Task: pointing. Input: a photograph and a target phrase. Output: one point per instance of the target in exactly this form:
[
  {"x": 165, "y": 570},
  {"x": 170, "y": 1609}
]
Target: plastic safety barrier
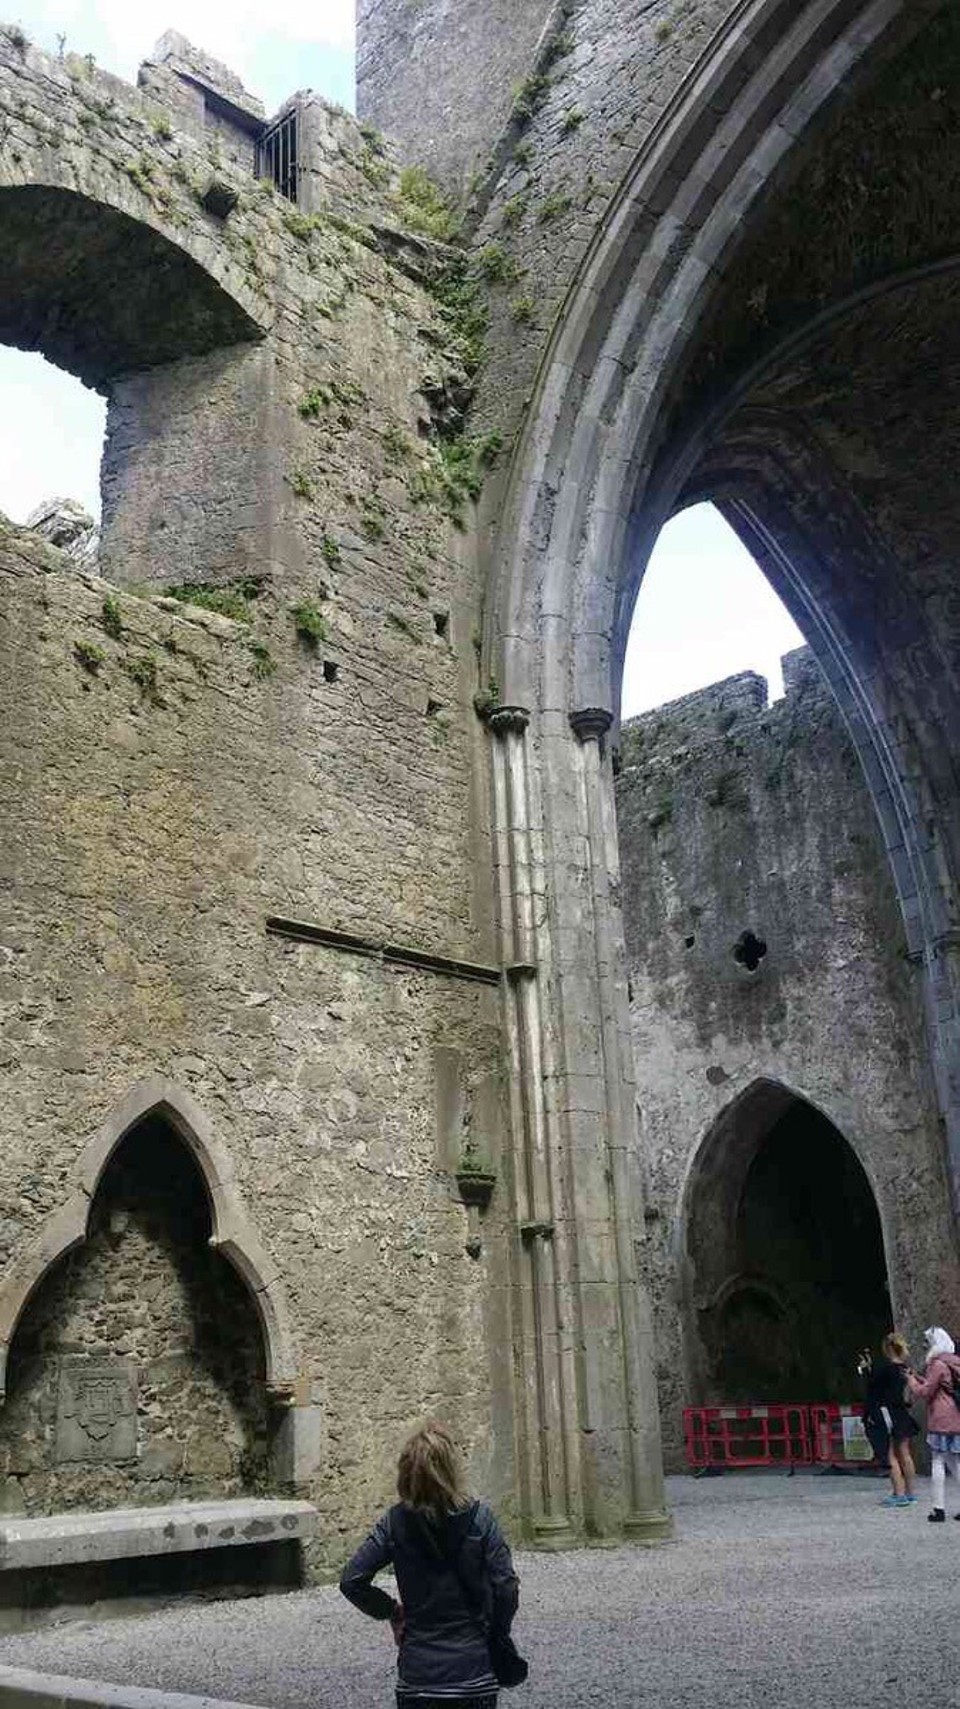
[
  {"x": 821, "y": 1433},
  {"x": 839, "y": 1438},
  {"x": 739, "y": 1436}
]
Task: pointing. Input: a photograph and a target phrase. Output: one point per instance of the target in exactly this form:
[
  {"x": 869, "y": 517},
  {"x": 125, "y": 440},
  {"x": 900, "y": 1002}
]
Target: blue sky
[{"x": 704, "y": 610}]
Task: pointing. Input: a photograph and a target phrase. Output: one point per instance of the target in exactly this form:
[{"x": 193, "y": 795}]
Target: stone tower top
[
  {"x": 200, "y": 70},
  {"x": 440, "y": 77}
]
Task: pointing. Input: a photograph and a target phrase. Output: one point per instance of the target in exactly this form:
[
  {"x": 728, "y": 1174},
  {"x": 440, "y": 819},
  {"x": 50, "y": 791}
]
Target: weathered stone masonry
[
  {"x": 174, "y": 778},
  {"x": 735, "y": 817},
  {"x": 286, "y": 385},
  {"x": 722, "y": 242}
]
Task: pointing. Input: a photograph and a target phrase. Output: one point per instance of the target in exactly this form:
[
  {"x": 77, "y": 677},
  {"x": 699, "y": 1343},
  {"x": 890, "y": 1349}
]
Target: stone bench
[
  {"x": 20, "y": 1688},
  {"x": 72, "y": 1561}
]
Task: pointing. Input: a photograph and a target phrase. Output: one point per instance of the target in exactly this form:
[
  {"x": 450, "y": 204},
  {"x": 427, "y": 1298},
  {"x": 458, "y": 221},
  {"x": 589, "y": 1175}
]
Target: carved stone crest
[{"x": 97, "y": 1410}]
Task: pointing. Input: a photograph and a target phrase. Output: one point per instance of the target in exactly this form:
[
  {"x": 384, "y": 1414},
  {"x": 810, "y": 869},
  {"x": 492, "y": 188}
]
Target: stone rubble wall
[
  {"x": 546, "y": 140},
  {"x": 173, "y": 776},
  {"x": 734, "y": 816},
  {"x": 163, "y": 799}
]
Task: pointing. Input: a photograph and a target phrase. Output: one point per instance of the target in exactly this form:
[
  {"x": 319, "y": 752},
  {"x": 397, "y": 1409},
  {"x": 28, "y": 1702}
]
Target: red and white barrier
[
  {"x": 741, "y": 1436},
  {"x": 822, "y": 1434}
]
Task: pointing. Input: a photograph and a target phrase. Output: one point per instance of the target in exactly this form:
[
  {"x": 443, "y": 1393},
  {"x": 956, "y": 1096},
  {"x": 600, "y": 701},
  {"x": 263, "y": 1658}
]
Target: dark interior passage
[
  {"x": 137, "y": 1371},
  {"x": 796, "y": 1283}
]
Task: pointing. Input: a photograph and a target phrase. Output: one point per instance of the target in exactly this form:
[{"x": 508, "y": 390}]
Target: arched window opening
[
  {"x": 704, "y": 612},
  {"x": 786, "y": 1257},
  {"x": 136, "y": 1373},
  {"x": 51, "y": 446}
]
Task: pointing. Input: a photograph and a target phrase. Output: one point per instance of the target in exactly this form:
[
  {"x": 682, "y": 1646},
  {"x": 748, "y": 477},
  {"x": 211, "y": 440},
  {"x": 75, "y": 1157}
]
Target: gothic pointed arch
[
  {"x": 583, "y": 508},
  {"x": 782, "y": 1260},
  {"x": 232, "y": 1233},
  {"x": 663, "y": 314}
]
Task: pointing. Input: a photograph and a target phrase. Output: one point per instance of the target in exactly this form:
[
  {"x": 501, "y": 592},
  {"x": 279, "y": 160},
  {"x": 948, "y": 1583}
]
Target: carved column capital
[
  {"x": 508, "y": 720},
  {"x": 591, "y": 723}
]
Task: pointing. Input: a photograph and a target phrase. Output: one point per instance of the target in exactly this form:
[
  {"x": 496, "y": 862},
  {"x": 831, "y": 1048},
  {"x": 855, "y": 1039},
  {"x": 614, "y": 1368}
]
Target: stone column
[
  {"x": 590, "y": 1435},
  {"x": 547, "y": 1399},
  {"x": 941, "y": 961},
  {"x": 621, "y": 1396}
]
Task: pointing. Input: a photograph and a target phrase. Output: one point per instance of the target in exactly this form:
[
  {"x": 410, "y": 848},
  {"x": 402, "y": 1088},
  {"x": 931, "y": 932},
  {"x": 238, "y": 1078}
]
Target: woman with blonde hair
[
  {"x": 889, "y": 1422},
  {"x": 458, "y": 1589}
]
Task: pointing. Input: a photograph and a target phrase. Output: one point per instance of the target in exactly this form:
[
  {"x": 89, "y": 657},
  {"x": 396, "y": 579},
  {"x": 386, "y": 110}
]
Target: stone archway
[
  {"x": 783, "y": 1273},
  {"x": 116, "y": 269},
  {"x": 136, "y": 1371},
  {"x": 103, "y": 293},
  {"x": 145, "y": 1343},
  {"x": 622, "y": 391}
]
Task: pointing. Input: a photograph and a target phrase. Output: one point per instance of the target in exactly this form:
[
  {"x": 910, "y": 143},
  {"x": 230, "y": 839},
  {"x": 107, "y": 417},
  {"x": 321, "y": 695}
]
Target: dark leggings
[{"x": 487, "y": 1702}]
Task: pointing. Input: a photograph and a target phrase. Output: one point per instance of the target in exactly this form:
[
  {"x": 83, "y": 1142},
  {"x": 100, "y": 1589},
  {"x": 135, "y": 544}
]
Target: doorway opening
[{"x": 785, "y": 1268}]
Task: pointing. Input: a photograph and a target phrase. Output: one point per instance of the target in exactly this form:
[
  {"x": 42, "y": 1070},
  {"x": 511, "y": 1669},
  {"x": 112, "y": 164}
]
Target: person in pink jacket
[{"x": 943, "y": 1414}]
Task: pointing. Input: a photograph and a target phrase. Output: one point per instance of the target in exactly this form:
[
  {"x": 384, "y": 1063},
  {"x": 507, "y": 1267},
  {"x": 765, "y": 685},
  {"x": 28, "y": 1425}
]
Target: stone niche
[{"x": 137, "y": 1372}]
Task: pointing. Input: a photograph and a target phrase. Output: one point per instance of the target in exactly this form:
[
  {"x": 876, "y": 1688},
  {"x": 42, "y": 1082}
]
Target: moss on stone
[
  {"x": 228, "y": 599},
  {"x": 309, "y": 622},
  {"x": 423, "y": 207}
]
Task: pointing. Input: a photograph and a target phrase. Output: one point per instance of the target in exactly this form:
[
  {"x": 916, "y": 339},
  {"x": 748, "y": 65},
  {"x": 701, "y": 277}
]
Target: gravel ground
[{"x": 778, "y": 1593}]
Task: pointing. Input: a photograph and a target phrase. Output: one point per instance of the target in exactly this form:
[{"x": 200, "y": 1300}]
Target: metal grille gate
[{"x": 278, "y": 154}]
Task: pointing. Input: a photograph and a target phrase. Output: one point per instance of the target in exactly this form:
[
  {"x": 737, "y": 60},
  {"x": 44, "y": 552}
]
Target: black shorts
[
  {"x": 903, "y": 1425},
  {"x": 878, "y": 1437}
]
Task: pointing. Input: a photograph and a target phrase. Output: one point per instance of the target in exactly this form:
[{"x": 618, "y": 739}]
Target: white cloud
[
  {"x": 224, "y": 28},
  {"x": 51, "y": 438},
  {"x": 235, "y": 31}
]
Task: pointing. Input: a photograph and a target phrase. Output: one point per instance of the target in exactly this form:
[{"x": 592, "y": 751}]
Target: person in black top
[
  {"x": 888, "y": 1421},
  {"x": 458, "y": 1589}
]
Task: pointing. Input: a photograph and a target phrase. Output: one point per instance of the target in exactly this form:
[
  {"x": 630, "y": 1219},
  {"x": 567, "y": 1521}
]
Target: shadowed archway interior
[
  {"x": 103, "y": 294},
  {"x": 785, "y": 1256},
  {"x": 139, "y": 1359}
]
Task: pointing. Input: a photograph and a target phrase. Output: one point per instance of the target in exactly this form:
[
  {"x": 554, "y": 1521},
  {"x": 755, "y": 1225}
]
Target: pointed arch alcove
[
  {"x": 783, "y": 1272},
  {"x": 144, "y": 1336}
]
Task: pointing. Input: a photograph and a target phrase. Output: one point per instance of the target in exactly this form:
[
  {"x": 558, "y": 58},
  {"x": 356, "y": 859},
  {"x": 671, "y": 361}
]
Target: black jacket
[
  {"x": 886, "y": 1386},
  {"x": 444, "y": 1646}
]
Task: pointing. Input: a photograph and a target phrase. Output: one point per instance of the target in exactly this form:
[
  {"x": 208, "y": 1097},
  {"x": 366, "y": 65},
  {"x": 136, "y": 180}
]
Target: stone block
[
  {"x": 162, "y": 1458},
  {"x": 298, "y": 1449},
  {"x": 131, "y": 1533},
  {"x": 96, "y": 1410},
  {"x": 21, "y": 1688}
]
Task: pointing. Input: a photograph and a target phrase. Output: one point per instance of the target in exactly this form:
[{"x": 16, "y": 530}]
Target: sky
[
  {"x": 704, "y": 610},
  {"x": 275, "y": 49}
]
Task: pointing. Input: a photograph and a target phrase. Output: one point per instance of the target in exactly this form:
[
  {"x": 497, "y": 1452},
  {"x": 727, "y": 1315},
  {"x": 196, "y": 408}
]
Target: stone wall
[
  {"x": 547, "y": 139},
  {"x": 440, "y": 77},
  {"x": 165, "y": 797},
  {"x": 173, "y": 776},
  {"x": 734, "y": 817},
  {"x": 286, "y": 445}
]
